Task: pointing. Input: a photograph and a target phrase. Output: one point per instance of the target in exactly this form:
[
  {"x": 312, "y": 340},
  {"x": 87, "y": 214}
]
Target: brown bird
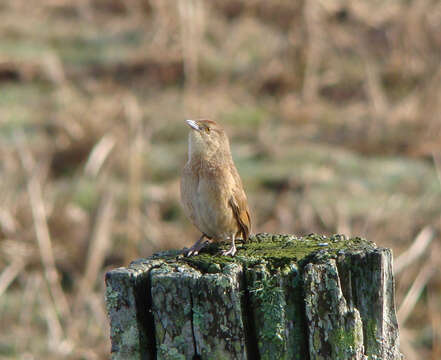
[{"x": 211, "y": 188}]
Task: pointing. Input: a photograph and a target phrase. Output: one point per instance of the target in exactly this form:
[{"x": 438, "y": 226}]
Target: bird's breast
[
  {"x": 206, "y": 191},
  {"x": 214, "y": 214}
]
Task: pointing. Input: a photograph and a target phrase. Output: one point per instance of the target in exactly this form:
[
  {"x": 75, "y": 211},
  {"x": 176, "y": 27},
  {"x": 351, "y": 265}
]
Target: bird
[{"x": 212, "y": 193}]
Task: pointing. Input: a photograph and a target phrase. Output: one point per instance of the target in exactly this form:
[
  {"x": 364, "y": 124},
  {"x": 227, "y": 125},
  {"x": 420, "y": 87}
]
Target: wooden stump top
[{"x": 280, "y": 297}]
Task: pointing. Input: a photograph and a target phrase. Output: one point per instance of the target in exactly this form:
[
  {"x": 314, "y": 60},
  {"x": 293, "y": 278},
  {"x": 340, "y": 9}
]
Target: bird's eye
[{"x": 207, "y": 129}]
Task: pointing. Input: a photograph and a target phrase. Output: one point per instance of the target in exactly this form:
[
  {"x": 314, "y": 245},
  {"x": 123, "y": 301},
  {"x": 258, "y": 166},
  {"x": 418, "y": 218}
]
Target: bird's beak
[{"x": 193, "y": 124}]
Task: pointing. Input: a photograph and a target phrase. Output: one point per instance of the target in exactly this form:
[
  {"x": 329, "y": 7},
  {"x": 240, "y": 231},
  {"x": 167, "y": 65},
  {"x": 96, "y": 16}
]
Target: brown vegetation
[{"x": 333, "y": 110}]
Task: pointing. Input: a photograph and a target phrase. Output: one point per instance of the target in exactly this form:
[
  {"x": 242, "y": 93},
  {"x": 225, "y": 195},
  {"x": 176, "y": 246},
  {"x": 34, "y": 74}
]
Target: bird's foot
[
  {"x": 232, "y": 251},
  {"x": 194, "y": 250}
]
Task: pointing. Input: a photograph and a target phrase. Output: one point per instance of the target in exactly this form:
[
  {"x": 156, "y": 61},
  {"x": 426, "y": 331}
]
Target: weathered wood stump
[{"x": 280, "y": 297}]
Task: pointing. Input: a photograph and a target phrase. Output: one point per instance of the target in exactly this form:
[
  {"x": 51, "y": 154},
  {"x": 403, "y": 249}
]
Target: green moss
[
  {"x": 342, "y": 342},
  {"x": 268, "y": 298},
  {"x": 276, "y": 250},
  {"x": 371, "y": 335},
  {"x": 169, "y": 353}
]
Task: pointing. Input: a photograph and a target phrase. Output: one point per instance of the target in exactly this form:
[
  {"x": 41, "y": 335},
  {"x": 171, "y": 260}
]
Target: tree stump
[{"x": 280, "y": 297}]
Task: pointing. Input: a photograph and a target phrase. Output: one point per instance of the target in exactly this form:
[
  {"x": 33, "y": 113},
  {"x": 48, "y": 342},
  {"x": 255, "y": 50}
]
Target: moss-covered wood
[{"x": 280, "y": 297}]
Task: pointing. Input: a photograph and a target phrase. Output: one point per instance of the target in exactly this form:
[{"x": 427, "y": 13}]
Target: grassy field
[{"x": 332, "y": 108}]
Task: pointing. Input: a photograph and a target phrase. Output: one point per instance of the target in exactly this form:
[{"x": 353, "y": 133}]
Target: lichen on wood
[
  {"x": 281, "y": 296},
  {"x": 128, "y": 300},
  {"x": 334, "y": 327}
]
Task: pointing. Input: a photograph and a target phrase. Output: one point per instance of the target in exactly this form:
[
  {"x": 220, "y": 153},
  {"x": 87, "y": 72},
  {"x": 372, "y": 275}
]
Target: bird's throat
[{"x": 198, "y": 149}]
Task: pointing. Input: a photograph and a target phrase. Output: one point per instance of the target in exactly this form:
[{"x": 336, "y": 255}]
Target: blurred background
[{"x": 332, "y": 108}]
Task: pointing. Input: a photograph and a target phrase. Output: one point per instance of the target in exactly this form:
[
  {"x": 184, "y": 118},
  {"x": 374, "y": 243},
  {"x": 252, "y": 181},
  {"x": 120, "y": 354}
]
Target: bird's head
[{"x": 206, "y": 138}]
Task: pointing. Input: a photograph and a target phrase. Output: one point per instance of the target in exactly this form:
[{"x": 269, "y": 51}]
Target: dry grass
[{"x": 333, "y": 111}]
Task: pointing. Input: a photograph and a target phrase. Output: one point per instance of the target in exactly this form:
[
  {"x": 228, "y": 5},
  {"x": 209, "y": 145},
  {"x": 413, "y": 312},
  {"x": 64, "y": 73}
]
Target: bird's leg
[
  {"x": 197, "y": 246},
  {"x": 232, "y": 251}
]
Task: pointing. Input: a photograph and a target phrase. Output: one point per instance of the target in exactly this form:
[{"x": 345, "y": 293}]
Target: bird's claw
[
  {"x": 191, "y": 252},
  {"x": 194, "y": 250},
  {"x": 232, "y": 251}
]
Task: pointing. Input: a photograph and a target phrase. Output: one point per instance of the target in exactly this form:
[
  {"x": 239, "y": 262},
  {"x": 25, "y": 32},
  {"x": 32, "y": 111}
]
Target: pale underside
[{"x": 206, "y": 198}]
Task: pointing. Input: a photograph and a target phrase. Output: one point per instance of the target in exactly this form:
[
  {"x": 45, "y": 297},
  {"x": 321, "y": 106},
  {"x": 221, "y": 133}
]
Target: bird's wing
[
  {"x": 239, "y": 204},
  {"x": 242, "y": 215}
]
